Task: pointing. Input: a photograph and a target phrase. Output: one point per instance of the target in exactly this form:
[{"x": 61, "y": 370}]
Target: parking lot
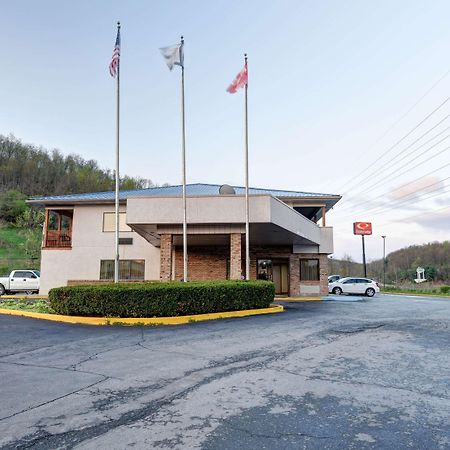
[{"x": 321, "y": 375}]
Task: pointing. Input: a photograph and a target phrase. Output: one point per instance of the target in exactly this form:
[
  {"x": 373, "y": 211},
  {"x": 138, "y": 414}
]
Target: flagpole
[
  {"x": 247, "y": 224},
  {"x": 185, "y": 258},
  {"x": 116, "y": 265}
]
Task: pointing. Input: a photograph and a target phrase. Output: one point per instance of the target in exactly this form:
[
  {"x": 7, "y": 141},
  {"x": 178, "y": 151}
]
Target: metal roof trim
[{"x": 193, "y": 190}]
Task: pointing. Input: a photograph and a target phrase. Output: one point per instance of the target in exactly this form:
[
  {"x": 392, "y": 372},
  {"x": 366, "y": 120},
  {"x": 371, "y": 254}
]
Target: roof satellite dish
[{"x": 226, "y": 189}]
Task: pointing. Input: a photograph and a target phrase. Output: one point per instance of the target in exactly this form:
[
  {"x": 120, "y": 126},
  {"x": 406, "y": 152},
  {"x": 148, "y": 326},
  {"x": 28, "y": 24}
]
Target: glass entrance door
[
  {"x": 275, "y": 271},
  {"x": 280, "y": 278}
]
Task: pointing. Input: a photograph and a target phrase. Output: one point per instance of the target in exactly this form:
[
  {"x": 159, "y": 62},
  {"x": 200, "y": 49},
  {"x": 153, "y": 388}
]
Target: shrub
[
  {"x": 445, "y": 289},
  {"x": 161, "y": 299}
]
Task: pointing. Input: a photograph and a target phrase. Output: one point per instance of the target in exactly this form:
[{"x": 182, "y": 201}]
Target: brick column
[
  {"x": 294, "y": 276},
  {"x": 323, "y": 274},
  {"x": 235, "y": 256},
  {"x": 166, "y": 257}
]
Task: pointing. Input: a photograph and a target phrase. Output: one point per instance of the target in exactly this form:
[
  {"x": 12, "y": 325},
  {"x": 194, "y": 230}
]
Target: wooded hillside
[
  {"x": 401, "y": 265},
  {"x": 34, "y": 170}
]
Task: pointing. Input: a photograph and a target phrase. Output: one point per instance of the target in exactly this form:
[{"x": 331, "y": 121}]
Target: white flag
[{"x": 173, "y": 55}]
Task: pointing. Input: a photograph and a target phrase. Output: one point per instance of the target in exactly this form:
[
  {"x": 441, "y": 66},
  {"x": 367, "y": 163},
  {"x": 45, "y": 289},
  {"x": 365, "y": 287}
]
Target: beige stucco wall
[
  {"x": 89, "y": 245},
  {"x": 200, "y": 210}
]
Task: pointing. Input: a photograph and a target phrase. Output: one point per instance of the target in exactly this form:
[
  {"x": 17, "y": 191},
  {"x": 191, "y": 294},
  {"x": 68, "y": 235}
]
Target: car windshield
[{"x": 37, "y": 272}]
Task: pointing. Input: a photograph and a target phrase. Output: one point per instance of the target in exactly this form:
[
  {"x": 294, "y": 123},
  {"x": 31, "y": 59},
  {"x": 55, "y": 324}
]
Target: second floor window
[
  {"x": 109, "y": 222},
  {"x": 58, "y": 231}
]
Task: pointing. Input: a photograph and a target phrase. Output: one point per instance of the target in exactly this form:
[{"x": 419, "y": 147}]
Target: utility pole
[
  {"x": 364, "y": 256},
  {"x": 384, "y": 262}
]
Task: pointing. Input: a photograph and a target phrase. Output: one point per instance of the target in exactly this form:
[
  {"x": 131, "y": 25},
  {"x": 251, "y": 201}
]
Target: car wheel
[
  {"x": 337, "y": 291},
  {"x": 2, "y": 289},
  {"x": 29, "y": 292},
  {"x": 370, "y": 292}
]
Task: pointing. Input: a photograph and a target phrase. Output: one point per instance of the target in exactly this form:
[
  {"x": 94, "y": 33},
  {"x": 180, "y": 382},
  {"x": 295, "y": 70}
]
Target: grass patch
[
  {"x": 13, "y": 254},
  {"x": 12, "y": 243},
  {"x": 437, "y": 291},
  {"x": 26, "y": 304}
]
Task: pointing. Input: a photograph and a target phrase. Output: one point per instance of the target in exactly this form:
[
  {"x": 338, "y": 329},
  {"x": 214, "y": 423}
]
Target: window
[
  {"x": 23, "y": 274},
  {"x": 125, "y": 241},
  {"x": 109, "y": 222},
  {"x": 129, "y": 269},
  {"x": 309, "y": 270},
  {"x": 265, "y": 269},
  {"x": 58, "y": 232},
  {"x": 18, "y": 274}
]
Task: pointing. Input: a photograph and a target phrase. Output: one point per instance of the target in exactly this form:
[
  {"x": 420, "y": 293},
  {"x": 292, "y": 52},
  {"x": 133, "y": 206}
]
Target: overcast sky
[{"x": 337, "y": 91}]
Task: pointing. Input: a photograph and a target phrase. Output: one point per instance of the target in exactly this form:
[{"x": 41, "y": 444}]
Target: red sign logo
[{"x": 362, "y": 228}]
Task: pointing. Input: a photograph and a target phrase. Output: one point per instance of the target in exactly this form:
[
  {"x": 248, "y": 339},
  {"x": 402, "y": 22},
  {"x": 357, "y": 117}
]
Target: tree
[
  {"x": 35, "y": 171},
  {"x": 430, "y": 273},
  {"x": 12, "y": 206}
]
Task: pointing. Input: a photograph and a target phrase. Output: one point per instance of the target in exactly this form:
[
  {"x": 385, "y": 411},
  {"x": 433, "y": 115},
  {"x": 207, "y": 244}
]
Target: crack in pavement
[
  {"x": 360, "y": 329},
  {"x": 75, "y": 341},
  {"x": 172, "y": 352},
  {"x": 276, "y": 435},
  {"x": 53, "y": 400},
  {"x": 94, "y": 355},
  {"x": 360, "y": 383},
  {"x": 65, "y": 369}
]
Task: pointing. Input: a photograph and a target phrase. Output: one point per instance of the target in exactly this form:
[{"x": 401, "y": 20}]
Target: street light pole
[{"x": 384, "y": 262}]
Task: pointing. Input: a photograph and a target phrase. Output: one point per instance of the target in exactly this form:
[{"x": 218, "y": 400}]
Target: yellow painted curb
[
  {"x": 416, "y": 295},
  {"x": 143, "y": 320},
  {"x": 33, "y": 296},
  {"x": 299, "y": 299}
]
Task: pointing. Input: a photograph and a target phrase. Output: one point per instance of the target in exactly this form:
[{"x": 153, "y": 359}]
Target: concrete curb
[
  {"x": 299, "y": 299},
  {"x": 144, "y": 320},
  {"x": 416, "y": 294},
  {"x": 32, "y": 296}
]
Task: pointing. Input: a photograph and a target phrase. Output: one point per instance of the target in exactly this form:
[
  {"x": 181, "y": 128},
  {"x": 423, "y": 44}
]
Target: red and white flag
[{"x": 240, "y": 81}]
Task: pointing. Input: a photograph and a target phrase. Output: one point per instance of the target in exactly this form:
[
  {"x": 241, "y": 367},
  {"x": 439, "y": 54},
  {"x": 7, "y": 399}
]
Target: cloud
[
  {"x": 435, "y": 221},
  {"x": 418, "y": 188},
  {"x": 443, "y": 201}
]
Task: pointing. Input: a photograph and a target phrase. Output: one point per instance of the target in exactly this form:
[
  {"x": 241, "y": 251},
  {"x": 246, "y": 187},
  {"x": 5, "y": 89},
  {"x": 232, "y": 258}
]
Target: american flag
[{"x": 114, "y": 65}]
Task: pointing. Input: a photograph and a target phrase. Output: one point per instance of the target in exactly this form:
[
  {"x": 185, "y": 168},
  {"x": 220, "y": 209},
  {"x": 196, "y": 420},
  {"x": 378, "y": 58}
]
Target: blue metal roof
[{"x": 196, "y": 189}]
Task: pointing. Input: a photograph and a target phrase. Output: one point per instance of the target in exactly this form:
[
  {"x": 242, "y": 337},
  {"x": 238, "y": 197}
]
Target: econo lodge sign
[{"x": 364, "y": 228}]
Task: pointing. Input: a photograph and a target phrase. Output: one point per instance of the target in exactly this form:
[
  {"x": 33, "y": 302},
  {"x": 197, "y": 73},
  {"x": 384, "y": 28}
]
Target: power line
[
  {"x": 398, "y": 142},
  {"x": 412, "y": 107},
  {"x": 418, "y": 148},
  {"x": 396, "y": 203},
  {"x": 413, "y": 181},
  {"x": 395, "y": 174},
  {"x": 405, "y": 114},
  {"x": 404, "y": 219},
  {"x": 435, "y": 193}
]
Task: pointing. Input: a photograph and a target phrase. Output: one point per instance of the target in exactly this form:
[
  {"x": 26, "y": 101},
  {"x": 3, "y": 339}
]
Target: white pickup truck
[{"x": 26, "y": 281}]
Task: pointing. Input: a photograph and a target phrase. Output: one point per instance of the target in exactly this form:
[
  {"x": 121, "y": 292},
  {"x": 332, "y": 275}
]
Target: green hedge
[{"x": 161, "y": 299}]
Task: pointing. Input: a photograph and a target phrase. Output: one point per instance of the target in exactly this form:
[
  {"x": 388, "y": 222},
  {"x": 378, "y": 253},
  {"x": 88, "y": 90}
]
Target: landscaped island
[{"x": 157, "y": 299}]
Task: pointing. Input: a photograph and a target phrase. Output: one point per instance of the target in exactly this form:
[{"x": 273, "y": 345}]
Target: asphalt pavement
[{"x": 368, "y": 374}]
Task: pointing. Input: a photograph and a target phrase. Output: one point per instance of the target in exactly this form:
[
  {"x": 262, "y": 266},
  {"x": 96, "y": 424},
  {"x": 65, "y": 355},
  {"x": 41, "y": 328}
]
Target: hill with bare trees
[{"x": 401, "y": 265}]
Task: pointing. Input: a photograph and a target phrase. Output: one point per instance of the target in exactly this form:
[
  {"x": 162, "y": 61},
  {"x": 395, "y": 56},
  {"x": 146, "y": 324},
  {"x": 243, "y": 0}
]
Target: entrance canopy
[{"x": 211, "y": 219}]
